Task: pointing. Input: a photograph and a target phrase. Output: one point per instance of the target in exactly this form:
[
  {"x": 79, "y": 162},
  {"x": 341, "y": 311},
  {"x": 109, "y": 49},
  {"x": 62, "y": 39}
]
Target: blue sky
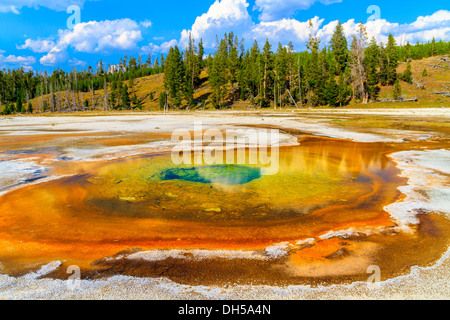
[{"x": 35, "y": 34}]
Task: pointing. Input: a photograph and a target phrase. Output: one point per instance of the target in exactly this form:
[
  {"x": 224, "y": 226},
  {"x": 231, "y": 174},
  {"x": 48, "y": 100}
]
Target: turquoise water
[{"x": 230, "y": 175}]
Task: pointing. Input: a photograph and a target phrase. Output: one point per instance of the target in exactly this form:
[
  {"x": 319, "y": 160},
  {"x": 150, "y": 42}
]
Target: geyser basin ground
[{"x": 320, "y": 220}]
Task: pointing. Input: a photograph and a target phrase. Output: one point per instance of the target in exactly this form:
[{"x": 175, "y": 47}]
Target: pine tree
[
  {"x": 192, "y": 72},
  {"x": 192, "y": 64},
  {"x": 174, "y": 76},
  {"x": 218, "y": 74},
  {"x": 125, "y": 63},
  {"x": 6, "y": 111},
  {"x": 392, "y": 60},
  {"x": 253, "y": 73},
  {"x": 132, "y": 64},
  {"x": 131, "y": 81},
  {"x": 433, "y": 47},
  {"x": 408, "y": 51},
  {"x": 325, "y": 76},
  {"x": 301, "y": 83},
  {"x": 188, "y": 92},
  {"x": 372, "y": 64},
  {"x": 339, "y": 48},
  {"x": 19, "y": 105},
  {"x": 134, "y": 100},
  {"x": 281, "y": 74},
  {"x": 233, "y": 63},
  {"x": 383, "y": 74},
  {"x": 345, "y": 93},
  {"x": 201, "y": 53},
  {"x": 267, "y": 74},
  {"x": 113, "y": 95},
  {"x": 332, "y": 93},
  {"x": 149, "y": 61},
  {"x": 125, "y": 98},
  {"x": 243, "y": 80},
  {"x": 30, "y": 107},
  {"x": 407, "y": 75},
  {"x": 163, "y": 62},
  {"x": 162, "y": 100}
]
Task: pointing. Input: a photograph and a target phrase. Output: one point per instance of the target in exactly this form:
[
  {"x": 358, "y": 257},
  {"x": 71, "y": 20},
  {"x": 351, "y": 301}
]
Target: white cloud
[
  {"x": 423, "y": 36},
  {"x": 146, "y": 23},
  {"x": 16, "y": 61},
  {"x": 89, "y": 37},
  {"x": 15, "y": 6},
  {"x": 38, "y": 46},
  {"x": 285, "y": 30},
  {"x": 103, "y": 36},
  {"x": 162, "y": 48},
  {"x": 75, "y": 62},
  {"x": 55, "y": 56},
  {"x": 438, "y": 19},
  {"x": 226, "y": 16},
  {"x": 222, "y": 17},
  {"x": 424, "y": 29},
  {"x": 275, "y": 9}
]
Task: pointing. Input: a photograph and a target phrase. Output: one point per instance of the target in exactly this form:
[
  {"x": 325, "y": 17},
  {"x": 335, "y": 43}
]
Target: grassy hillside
[{"x": 437, "y": 80}]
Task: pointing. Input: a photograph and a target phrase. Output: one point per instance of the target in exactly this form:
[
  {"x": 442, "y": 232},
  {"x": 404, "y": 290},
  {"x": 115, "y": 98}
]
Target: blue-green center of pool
[{"x": 223, "y": 174}]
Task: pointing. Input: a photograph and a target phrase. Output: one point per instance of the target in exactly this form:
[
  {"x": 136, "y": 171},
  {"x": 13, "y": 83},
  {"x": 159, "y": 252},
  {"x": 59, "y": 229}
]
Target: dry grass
[{"x": 438, "y": 80}]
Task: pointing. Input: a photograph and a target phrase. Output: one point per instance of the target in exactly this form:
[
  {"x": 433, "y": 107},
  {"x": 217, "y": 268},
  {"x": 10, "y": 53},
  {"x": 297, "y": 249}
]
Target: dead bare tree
[
  {"x": 91, "y": 88},
  {"x": 358, "y": 48},
  {"x": 419, "y": 85},
  {"x": 52, "y": 100},
  {"x": 105, "y": 96}
]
